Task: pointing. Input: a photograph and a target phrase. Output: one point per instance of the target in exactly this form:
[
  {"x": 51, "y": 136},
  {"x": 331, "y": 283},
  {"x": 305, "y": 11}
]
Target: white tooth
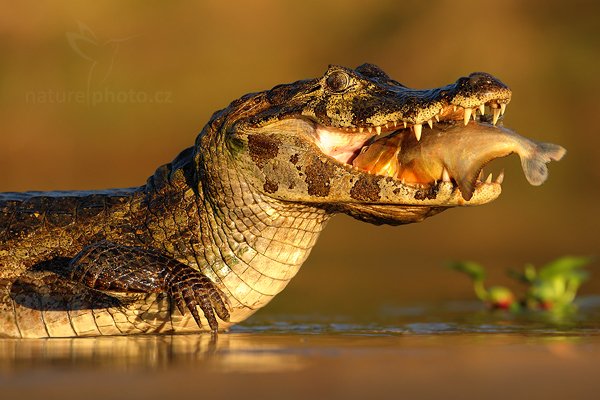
[
  {"x": 481, "y": 109},
  {"x": 404, "y": 124},
  {"x": 378, "y": 130},
  {"x": 455, "y": 108},
  {"x": 418, "y": 128},
  {"x": 474, "y": 114},
  {"x": 361, "y": 129},
  {"x": 387, "y": 125},
  {"x": 480, "y": 176},
  {"x": 403, "y": 182},
  {"x": 370, "y": 129},
  {"x": 445, "y": 175},
  {"x": 430, "y": 123},
  {"x": 500, "y": 177},
  {"x": 395, "y": 123},
  {"x": 489, "y": 178},
  {"x": 437, "y": 118},
  {"x": 467, "y": 115},
  {"x": 502, "y": 108},
  {"x": 496, "y": 115}
]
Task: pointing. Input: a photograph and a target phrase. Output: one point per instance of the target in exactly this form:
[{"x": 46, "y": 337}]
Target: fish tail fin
[{"x": 534, "y": 165}]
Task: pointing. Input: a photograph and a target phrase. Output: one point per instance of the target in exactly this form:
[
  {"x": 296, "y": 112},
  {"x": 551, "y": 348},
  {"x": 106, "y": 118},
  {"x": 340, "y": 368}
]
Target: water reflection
[
  {"x": 224, "y": 352},
  {"x": 120, "y": 352}
]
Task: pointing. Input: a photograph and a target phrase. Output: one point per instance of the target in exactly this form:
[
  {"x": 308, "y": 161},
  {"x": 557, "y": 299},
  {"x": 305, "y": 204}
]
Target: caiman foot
[
  {"x": 107, "y": 266},
  {"x": 189, "y": 288}
]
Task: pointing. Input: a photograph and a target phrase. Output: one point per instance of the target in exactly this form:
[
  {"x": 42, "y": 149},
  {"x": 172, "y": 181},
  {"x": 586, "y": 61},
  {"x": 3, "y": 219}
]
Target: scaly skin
[{"x": 229, "y": 222}]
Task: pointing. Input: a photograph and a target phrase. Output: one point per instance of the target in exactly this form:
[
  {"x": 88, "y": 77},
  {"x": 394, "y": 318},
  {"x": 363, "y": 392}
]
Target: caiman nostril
[
  {"x": 478, "y": 78},
  {"x": 484, "y": 80}
]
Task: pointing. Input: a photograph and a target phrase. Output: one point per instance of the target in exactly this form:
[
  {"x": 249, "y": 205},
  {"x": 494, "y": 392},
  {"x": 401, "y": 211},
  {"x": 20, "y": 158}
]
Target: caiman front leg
[{"x": 107, "y": 266}]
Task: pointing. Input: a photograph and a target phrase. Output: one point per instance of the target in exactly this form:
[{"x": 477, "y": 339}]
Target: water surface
[{"x": 454, "y": 350}]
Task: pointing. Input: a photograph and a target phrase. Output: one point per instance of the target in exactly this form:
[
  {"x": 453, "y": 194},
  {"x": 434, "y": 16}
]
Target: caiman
[{"x": 215, "y": 234}]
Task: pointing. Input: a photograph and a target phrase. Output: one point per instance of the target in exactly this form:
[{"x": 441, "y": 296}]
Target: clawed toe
[{"x": 192, "y": 289}]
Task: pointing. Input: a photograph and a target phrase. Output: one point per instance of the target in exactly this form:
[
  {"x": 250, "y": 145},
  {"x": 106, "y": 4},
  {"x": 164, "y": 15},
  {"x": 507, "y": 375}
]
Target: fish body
[{"x": 457, "y": 152}]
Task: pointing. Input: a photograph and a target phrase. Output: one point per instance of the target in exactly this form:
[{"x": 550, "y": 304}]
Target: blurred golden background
[{"x": 98, "y": 94}]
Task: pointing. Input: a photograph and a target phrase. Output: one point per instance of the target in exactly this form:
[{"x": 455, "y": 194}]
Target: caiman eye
[{"x": 338, "y": 81}]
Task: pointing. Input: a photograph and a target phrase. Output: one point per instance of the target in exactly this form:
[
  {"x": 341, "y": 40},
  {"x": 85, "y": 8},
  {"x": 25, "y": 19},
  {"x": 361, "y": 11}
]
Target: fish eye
[{"x": 338, "y": 81}]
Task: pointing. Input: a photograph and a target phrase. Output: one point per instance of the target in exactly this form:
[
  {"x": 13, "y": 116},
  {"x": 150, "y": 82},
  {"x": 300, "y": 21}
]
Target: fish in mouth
[
  {"x": 450, "y": 145},
  {"x": 429, "y": 161}
]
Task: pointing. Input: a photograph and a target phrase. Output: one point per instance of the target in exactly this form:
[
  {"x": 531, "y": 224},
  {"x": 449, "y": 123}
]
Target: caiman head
[{"x": 359, "y": 142}]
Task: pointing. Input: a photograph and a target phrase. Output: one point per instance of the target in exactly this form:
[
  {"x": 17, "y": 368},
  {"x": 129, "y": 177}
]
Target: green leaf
[
  {"x": 563, "y": 266},
  {"x": 471, "y": 268},
  {"x": 530, "y": 272}
]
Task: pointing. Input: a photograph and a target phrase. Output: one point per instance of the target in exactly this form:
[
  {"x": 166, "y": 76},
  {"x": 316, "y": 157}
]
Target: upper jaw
[
  {"x": 342, "y": 143},
  {"x": 393, "y": 106}
]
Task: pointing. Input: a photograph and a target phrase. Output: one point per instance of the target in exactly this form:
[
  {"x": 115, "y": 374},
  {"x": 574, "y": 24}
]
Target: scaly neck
[{"x": 253, "y": 244}]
